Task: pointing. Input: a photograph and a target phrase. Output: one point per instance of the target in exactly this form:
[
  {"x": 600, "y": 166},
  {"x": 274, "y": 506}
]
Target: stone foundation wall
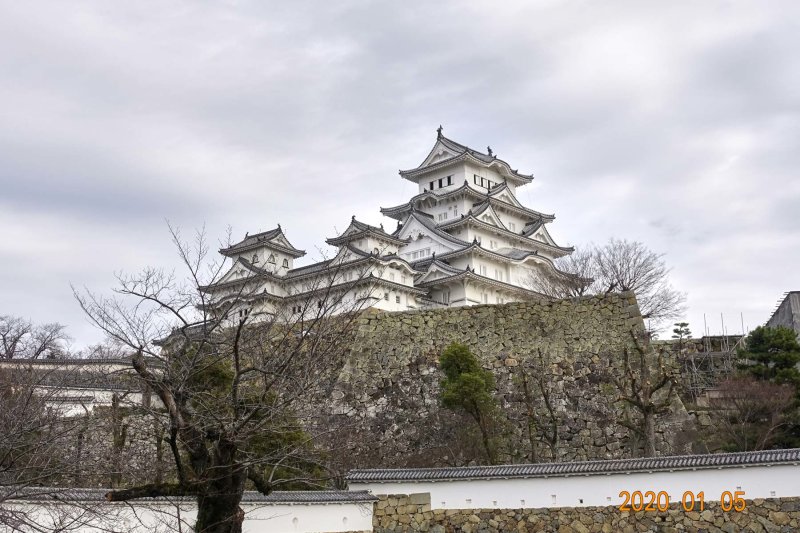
[
  {"x": 387, "y": 393},
  {"x": 412, "y": 513},
  {"x": 136, "y": 457},
  {"x": 382, "y": 406}
]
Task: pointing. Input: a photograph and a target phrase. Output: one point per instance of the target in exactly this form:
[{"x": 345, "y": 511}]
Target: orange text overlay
[{"x": 690, "y": 501}]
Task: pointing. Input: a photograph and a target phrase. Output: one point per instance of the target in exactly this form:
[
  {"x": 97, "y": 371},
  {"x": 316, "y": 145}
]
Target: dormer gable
[
  {"x": 504, "y": 194},
  {"x": 486, "y": 214},
  {"x": 446, "y": 151},
  {"x": 418, "y": 225},
  {"x": 440, "y": 152},
  {"x": 272, "y": 240},
  {"x": 375, "y": 236},
  {"x": 438, "y": 270},
  {"x": 237, "y": 272}
]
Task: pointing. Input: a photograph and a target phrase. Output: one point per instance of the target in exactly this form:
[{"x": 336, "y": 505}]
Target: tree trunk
[
  {"x": 218, "y": 509},
  {"x": 485, "y": 437},
  {"x": 649, "y": 427},
  {"x": 534, "y": 456}
]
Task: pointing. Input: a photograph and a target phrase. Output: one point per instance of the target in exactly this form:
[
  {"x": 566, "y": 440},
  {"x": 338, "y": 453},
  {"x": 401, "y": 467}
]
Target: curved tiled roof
[
  {"x": 400, "y": 210},
  {"x": 257, "y": 240},
  {"x": 581, "y": 468},
  {"x": 363, "y": 256},
  {"x": 347, "y": 285},
  {"x": 123, "y": 361},
  {"x": 362, "y": 229},
  {"x": 464, "y": 152},
  {"x": 427, "y": 221},
  {"x": 531, "y": 228},
  {"x": 277, "y": 497},
  {"x": 470, "y": 274},
  {"x": 258, "y": 271}
]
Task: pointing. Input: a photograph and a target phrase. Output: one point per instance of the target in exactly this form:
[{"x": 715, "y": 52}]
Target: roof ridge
[{"x": 597, "y": 466}]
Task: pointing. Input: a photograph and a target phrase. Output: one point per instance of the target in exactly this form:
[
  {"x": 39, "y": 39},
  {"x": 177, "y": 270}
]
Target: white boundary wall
[
  {"x": 158, "y": 517},
  {"x": 757, "y": 481}
]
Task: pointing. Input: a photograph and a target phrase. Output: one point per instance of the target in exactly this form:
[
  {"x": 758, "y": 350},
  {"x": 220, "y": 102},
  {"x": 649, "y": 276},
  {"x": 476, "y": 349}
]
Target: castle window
[
  {"x": 440, "y": 182},
  {"x": 255, "y": 259},
  {"x": 386, "y": 296},
  {"x": 512, "y": 226},
  {"x": 285, "y": 263},
  {"x": 450, "y": 180},
  {"x": 397, "y": 299},
  {"x": 271, "y": 259},
  {"x": 431, "y": 185},
  {"x": 391, "y": 276}
]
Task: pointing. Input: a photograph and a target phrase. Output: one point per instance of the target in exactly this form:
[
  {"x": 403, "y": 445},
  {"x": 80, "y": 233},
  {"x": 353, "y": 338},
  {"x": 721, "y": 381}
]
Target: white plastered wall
[
  {"x": 149, "y": 517},
  {"x": 598, "y": 490},
  {"x": 458, "y": 179}
]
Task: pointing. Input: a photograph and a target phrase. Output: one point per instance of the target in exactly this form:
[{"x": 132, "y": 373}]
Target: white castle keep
[{"x": 465, "y": 239}]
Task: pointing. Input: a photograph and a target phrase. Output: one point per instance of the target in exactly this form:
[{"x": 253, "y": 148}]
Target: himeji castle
[{"x": 464, "y": 239}]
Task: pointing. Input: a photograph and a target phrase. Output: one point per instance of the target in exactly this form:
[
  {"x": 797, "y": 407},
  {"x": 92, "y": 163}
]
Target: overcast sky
[{"x": 672, "y": 123}]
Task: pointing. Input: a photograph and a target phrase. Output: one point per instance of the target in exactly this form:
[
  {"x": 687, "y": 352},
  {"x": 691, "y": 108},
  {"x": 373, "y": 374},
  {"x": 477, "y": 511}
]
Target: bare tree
[
  {"x": 106, "y": 349},
  {"x": 630, "y": 266},
  {"x": 21, "y": 339},
  {"x": 573, "y": 275},
  {"x": 33, "y": 440},
  {"x": 747, "y": 413},
  {"x": 13, "y": 331},
  {"x": 619, "y": 265},
  {"x": 236, "y": 387},
  {"x": 644, "y": 384},
  {"x": 543, "y": 419}
]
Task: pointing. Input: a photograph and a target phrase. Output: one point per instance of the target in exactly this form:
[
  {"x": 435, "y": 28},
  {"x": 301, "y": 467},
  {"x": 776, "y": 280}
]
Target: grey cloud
[{"x": 674, "y": 124}]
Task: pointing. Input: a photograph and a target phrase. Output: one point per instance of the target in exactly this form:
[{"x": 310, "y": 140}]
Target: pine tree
[
  {"x": 469, "y": 387},
  {"x": 772, "y": 354}
]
